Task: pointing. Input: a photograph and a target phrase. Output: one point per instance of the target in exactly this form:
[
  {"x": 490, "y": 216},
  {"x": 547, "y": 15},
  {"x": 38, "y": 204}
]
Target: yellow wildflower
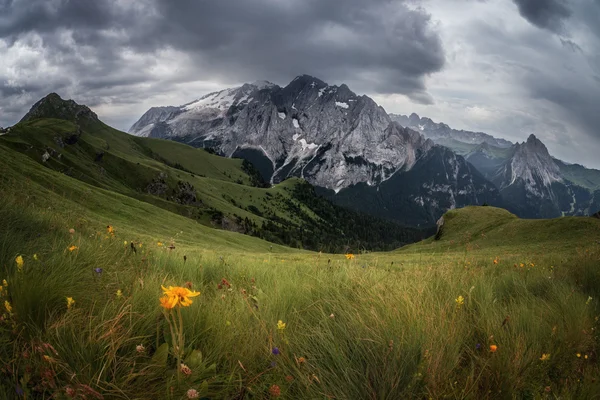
[
  {"x": 350, "y": 256},
  {"x": 20, "y": 262},
  {"x": 159, "y": 244},
  {"x": 176, "y": 295},
  {"x": 119, "y": 293},
  {"x": 545, "y": 357},
  {"x": 8, "y": 306},
  {"x": 70, "y": 302},
  {"x": 578, "y": 355},
  {"x": 4, "y": 283},
  {"x": 35, "y": 257},
  {"x": 586, "y": 356},
  {"x": 522, "y": 265},
  {"x": 72, "y": 248},
  {"x": 125, "y": 242},
  {"x": 281, "y": 325},
  {"x": 460, "y": 301}
]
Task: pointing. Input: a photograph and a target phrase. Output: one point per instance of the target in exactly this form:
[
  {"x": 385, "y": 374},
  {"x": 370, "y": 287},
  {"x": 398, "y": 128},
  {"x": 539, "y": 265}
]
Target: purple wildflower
[
  {"x": 19, "y": 391},
  {"x": 478, "y": 346},
  {"x": 275, "y": 351},
  {"x": 98, "y": 270},
  {"x": 273, "y": 364}
]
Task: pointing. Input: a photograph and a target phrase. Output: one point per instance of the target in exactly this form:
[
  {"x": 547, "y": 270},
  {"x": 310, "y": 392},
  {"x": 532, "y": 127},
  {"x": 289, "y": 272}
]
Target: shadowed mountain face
[{"x": 329, "y": 136}]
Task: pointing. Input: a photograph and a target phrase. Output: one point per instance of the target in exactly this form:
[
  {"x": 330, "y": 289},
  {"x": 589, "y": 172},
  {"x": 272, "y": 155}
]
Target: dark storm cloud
[
  {"x": 545, "y": 14},
  {"x": 378, "y": 45},
  {"x": 580, "y": 101},
  {"x": 379, "y": 41}
]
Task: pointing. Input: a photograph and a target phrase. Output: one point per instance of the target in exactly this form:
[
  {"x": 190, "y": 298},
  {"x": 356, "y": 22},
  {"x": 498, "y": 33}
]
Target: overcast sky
[{"x": 506, "y": 67}]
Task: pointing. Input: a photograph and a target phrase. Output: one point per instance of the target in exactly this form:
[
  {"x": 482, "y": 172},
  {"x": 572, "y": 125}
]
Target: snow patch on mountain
[
  {"x": 219, "y": 100},
  {"x": 309, "y": 146}
]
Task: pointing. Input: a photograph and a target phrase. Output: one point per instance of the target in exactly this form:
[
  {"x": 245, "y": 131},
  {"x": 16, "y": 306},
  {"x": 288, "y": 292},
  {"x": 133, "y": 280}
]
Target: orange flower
[
  {"x": 493, "y": 348},
  {"x": 176, "y": 295},
  {"x": 72, "y": 248},
  {"x": 165, "y": 302},
  {"x": 275, "y": 391}
]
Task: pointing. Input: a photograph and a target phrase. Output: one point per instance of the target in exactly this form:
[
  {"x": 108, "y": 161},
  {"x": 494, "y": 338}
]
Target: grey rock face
[
  {"x": 326, "y": 134},
  {"x": 333, "y": 138},
  {"x": 532, "y": 164}
]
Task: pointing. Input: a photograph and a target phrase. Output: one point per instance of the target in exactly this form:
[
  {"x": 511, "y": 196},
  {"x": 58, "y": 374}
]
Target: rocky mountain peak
[
  {"x": 414, "y": 119},
  {"x": 53, "y": 106},
  {"x": 260, "y": 85},
  {"x": 534, "y": 146},
  {"x": 533, "y": 164}
]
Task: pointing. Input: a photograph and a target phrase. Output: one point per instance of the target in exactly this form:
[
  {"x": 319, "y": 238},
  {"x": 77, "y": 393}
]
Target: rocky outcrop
[
  {"x": 158, "y": 186},
  {"x": 53, "y": 106},
  {"x": 185, "y": 194},
  {"x": 440, "y": 228}
]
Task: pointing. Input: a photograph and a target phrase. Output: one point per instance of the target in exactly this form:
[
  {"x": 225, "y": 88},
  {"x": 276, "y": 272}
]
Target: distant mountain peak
[
  {"x": 535, "y": 145},
  {"x": 442, "y": 134},
  {"x": 263, "y": 84},
  {"x": 53, "y": 106}
]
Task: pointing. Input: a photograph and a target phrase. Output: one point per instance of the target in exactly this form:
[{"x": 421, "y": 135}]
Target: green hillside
[
  {"x": 217, "y": 192},
  {"x": 492, "y": 229}
]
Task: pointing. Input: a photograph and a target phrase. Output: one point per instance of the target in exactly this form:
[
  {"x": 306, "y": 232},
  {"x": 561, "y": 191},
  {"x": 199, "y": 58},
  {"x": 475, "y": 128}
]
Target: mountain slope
[
  {"x": 535, "y": 185},
  {"x": 216, "y": 191},
  {"x": 499, "y": 233},
  {"x": 440, "y": 133},
  {"x": 328, "y": 135},
  {"x": 531, "y": 182}
]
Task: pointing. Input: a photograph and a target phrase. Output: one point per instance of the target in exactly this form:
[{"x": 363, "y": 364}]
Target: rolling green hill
[{"x": 497, "y": 230}]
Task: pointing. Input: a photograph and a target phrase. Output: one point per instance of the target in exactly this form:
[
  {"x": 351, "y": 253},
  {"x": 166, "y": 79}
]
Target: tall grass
[{"x": 355, "y": 329}]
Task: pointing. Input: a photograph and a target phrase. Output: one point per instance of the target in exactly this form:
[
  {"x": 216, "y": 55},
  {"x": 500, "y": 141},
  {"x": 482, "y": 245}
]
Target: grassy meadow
[{"x": 497, "y": 308}]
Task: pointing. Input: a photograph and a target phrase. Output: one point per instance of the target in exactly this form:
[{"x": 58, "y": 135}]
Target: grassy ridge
[{"x": 381, "y": 325}]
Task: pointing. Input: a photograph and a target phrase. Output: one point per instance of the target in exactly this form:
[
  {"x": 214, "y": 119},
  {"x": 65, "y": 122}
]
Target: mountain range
[
  {"x": 68, "y": 146},
  {"x": 405, "y": 168}
]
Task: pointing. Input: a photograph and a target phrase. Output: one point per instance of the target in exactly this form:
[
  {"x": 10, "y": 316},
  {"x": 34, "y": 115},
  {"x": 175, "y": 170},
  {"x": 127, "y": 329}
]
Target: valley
[{"x": 94, "y": 222}]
